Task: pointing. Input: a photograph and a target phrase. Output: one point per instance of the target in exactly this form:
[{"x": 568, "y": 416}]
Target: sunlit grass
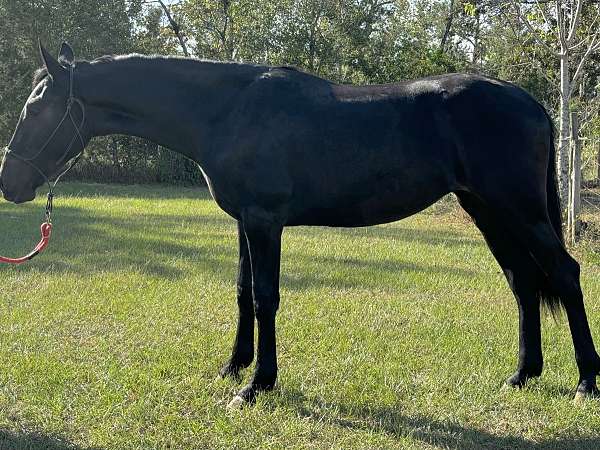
[{"x": 396, "y": 336}]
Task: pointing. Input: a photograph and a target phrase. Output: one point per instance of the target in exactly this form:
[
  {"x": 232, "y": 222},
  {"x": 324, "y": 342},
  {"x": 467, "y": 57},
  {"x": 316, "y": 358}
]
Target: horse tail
[{"x": 547, "y": 294}]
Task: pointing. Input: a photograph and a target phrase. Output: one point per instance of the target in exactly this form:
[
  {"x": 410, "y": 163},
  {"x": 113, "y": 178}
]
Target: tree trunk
[
  {"x": 312, "y": 44},
  {"x": 476, "y": 38},
  {"x": 114, "y": 149},
  {"x": 175, "y": 27},
  {"x": 575, "y": 185},
  {"x": 564, "y": 128},
  {"x": 598, "y": 162},
  {"x": 448, "y": 27}
]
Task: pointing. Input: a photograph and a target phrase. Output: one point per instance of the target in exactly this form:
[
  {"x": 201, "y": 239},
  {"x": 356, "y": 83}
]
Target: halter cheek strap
[
  {"x": 71, "y": 100},
  {"x": 46, "y": 227}
]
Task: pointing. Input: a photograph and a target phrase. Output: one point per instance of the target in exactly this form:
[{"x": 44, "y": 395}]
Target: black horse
[{"x": 279, "y": 147}]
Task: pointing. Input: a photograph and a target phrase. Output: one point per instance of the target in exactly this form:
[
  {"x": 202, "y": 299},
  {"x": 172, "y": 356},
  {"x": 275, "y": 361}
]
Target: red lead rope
[
  {"x": 46, "y": 231},
  {"x": 46, "y": 228}
]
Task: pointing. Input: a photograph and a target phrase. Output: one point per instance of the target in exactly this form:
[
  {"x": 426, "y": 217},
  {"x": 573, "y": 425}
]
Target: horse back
[{"x": 327, "y": 154}]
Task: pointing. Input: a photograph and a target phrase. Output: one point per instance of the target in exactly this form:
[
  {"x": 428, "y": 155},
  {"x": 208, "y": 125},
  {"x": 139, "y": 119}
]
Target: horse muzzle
[
  {"x": 13, "y": 191},
  {"x": 17, "y": 198}
]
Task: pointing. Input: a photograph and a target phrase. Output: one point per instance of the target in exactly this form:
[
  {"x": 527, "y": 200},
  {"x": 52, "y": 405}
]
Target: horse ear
[
  {"x": 66, "y": 54},
  {"x": 53, "y": 66}
]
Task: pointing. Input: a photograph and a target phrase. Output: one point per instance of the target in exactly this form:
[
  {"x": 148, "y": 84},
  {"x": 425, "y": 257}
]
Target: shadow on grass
[
  {"x": 349, "y": 273},
  {"x": 86, "y": 244},
  {"x": 393, "y": 422},
  {"x": 35, "y": 441},
  {"x": 443, "y": 237},
  {"x": 138, "y": 191}
]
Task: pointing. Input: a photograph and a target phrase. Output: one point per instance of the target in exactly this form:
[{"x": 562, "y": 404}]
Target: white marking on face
[{"x": 35, "y": 96}]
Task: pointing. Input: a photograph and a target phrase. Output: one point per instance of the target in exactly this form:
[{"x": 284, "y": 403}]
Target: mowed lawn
[{"x": 395, "y": 336}]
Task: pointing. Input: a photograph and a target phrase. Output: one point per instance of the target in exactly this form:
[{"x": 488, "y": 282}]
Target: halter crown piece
[{"x": 46, "y": 227}]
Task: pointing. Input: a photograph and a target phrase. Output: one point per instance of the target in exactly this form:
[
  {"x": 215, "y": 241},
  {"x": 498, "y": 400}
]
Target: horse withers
[{"x": 280, "y": 147}]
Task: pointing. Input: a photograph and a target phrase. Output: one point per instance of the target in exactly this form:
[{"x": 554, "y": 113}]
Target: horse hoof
[
  {"x": 219, "y": 378},
  {"x": 521, "y": 377},
  {"x": 507, "y": 387},
  {"x": 585, "y": 391},
  {"x": 511, "y": 384},
  {"x": 236, "y": 404},
  {"x": 516, "y": 381},
  {"x": 581, "y": 397}
]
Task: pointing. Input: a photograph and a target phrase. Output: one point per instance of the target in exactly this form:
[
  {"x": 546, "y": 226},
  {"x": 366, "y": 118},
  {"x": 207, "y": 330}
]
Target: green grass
[{"x": 396, "y": 336}]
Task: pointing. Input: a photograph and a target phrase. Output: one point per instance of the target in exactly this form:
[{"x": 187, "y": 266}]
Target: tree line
[{"x": 549, "y": 47}]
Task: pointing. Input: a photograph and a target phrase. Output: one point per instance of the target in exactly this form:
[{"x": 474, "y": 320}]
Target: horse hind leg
[
  {"x": 528, "y": 221},
  {"x": 524, "y": 278},
  {"x": 563, "y": 273}
]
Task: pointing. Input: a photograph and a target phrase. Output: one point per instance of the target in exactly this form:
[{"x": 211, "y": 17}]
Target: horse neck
[{"x": 170, "y": 101}]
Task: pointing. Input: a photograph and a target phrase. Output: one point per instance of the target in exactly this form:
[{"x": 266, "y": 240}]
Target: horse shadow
[
  {"x": 103, "y": 243},
  {"x": 391, "y": 421},
  {"x": 36, "y": 441},
  {"x": 87, "y": 244}
]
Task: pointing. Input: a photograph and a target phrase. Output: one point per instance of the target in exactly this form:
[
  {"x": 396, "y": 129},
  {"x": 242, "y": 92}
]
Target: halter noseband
[{"x": 29, "y": 161}]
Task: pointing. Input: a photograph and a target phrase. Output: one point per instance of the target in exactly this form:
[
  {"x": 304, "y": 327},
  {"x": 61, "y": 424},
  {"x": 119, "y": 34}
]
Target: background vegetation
[{"x": 347, "y": 41}]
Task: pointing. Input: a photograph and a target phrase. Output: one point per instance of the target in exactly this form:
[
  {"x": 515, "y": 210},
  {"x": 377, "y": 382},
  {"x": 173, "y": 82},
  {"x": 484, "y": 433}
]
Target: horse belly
[{"x": 360, "y": 207}]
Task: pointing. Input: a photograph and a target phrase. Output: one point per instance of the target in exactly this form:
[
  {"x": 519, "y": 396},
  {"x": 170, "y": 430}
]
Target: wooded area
[{"x": 551, "y": 48}]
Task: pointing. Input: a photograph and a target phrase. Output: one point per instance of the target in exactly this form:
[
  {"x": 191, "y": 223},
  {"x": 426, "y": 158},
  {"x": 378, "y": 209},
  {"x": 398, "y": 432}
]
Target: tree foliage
[{"x": 347, "y": 41}]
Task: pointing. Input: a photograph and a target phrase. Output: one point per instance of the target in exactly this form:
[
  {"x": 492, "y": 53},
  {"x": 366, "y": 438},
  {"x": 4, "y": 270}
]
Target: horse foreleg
[
  {"x": 243, "y": 347},
  {"x": 264, "y": 244}
]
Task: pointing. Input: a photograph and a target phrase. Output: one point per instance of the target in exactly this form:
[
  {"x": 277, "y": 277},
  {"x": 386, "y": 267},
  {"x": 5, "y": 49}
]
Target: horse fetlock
[
  {"x": 248, "y": 394},
  {"x": 520, "y": 378},
  {"x": 266, "y": 305},
  {"x": 264, "y": 382},
  {"x": 235, "y": 365},
  {"x": 250, "y": 391}
]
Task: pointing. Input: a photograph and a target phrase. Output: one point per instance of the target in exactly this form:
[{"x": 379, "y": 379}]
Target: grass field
[{"x": 396, "y": 336}]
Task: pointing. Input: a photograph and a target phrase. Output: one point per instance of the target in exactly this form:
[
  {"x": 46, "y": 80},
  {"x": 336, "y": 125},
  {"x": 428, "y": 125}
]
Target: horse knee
[
  {"x": 244, "y": 299},
  {"x": 266, "y": 304}
]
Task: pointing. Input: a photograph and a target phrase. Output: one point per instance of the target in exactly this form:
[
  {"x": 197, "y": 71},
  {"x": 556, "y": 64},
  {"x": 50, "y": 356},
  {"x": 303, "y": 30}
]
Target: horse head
[{"x": 49, "y": 131}]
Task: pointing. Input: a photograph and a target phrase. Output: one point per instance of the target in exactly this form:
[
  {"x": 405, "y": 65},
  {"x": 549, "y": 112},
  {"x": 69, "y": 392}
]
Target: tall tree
[
  {"x": 561, "y": 29},
  {"x": 94, "y": 28}
]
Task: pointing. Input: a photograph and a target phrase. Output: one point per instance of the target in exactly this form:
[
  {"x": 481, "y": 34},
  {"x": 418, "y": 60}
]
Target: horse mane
[{"x": 42, "y": 73}]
